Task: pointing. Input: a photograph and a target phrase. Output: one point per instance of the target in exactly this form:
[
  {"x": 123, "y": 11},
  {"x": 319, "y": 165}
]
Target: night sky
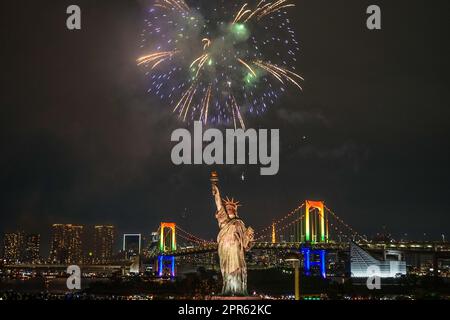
[{"x": 82, "y": 142}]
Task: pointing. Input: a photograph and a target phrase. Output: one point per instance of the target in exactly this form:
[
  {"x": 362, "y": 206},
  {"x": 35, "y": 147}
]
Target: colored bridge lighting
[
  {"x": 309, "y": 261},
  {"x": 323, "y": 266},
  {"x": 163, "y": 261},
  {"x": 311, "y": 227},
  {"x": 162, "y": 238},
  {"x": 172, "y": 271},
  {"x": 160, "y": 266}
]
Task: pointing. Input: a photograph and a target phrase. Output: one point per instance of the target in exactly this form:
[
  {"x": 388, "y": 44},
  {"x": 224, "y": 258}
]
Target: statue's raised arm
[{"x": 217, "y": 198}]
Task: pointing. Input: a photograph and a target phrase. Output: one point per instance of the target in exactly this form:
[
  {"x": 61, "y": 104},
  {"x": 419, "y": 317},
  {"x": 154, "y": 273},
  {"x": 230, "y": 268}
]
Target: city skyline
[
  {"x": 381, "y": 231},
  {"x": 28, "y": 247}
]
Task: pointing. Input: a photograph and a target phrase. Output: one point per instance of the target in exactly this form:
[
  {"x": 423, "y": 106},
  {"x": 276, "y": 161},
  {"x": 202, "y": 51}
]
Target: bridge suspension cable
[
  {"x": 190, "y": 239},
  {"x": 353, "y": 231},
  {"x": 284, "y": 227},
  {"x": 190, "y": 236},
  {"x": 261, "y": 232},
  {"x": 339, "y": 233}
]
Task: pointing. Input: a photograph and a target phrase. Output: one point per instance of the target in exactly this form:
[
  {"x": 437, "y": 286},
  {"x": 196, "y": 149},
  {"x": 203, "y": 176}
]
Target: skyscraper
[
  {"x": 103, "y": 243},
  {"x": 13, "y": 247},
  {"x": 66, "y": 246},
  {"x": 32, "y": 248}
]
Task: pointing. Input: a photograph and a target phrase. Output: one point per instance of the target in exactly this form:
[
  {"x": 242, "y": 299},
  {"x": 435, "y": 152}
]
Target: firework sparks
[
  {"x": 217, "y": 60},
  {"x": 206, "y": 43},
  {"x": 280, "y": 73},
  {"x": 200, "y": 61},
  {"x": 173, "y": 4},
  {"x": 241, "y": 13},
  {"x": 157, "y": 56},
  {"x": 205, "y": 104},
  {"x": 247, "y": 66}
]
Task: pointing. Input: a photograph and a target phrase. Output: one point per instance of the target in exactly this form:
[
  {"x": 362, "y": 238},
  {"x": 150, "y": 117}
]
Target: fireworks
[{"x": 218, "y": 61}]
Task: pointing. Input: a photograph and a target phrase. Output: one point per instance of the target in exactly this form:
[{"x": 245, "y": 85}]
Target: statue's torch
[{"x": 214, "y": 178}]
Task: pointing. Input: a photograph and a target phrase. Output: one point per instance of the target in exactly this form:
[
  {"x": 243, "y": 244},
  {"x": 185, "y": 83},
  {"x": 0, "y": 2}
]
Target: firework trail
[{"x": 219, "y": 60}]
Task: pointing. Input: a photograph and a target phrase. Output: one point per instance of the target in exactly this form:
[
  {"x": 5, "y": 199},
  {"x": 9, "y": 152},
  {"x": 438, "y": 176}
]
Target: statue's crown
[{"x": 231, "y": 202}]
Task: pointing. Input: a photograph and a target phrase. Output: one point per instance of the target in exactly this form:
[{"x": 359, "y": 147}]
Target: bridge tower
[
  {"x": 166, "y": 226},
  {"x": 316, "y": 222},
  {"x": 316, "y": 231},
  {"x": 313, "y": 258},
  {"x": 165, "y": 260},
  {"x": 274, "y": 237}
]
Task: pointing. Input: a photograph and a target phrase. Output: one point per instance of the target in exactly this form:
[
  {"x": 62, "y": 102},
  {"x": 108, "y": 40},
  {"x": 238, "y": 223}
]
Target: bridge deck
[{"x": 419, "y": 247}]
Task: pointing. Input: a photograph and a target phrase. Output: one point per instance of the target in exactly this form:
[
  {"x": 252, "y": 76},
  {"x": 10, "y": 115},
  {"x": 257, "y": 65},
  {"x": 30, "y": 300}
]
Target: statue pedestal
[{"x": 233, "y": 298}]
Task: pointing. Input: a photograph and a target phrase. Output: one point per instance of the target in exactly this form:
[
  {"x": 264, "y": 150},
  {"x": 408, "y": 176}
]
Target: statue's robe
[{"x": 233, "y": 240}]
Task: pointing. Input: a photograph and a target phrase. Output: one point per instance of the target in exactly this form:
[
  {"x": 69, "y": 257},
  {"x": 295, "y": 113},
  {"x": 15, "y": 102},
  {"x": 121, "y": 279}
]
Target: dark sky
[{"x": 82, "y": 142}]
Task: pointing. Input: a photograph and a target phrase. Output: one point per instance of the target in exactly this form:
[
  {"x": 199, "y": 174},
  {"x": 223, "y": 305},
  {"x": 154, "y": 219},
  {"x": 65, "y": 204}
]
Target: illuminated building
[
  {"x": 131, "y": 245},
  {"x": 150, "y": 244},
  {"x": 32, "y": 248},
  {"x": 21, "y": 248},
  {"x": 66, "y": 245},
  {"x": 103, "y": 243},
  {"x": 135, "y": 266},
  {"x": 13, "y": 247},
  {"x": 362, "y": 264}
]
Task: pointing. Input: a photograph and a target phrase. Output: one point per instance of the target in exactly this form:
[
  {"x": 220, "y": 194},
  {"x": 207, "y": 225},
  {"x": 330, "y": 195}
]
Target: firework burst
[{"x": 219, "y": 60}]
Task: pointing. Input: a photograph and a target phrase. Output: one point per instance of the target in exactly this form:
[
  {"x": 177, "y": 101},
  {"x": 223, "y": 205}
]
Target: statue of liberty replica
[{"x": 234, "y": 240}]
